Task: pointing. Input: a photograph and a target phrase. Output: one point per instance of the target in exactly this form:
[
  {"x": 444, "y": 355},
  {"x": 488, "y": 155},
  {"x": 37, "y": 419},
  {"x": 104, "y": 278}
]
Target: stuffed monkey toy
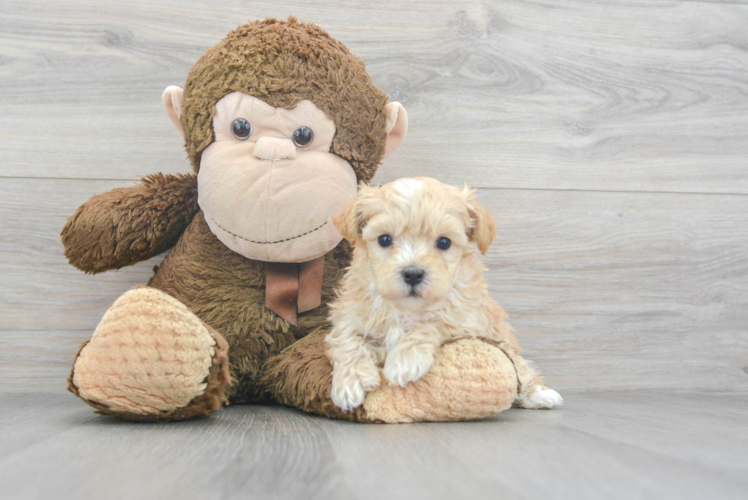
[{"x": 280, "y": 123}]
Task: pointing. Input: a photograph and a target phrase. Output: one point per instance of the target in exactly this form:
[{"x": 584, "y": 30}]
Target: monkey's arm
[{"x": 126, "y": 225}]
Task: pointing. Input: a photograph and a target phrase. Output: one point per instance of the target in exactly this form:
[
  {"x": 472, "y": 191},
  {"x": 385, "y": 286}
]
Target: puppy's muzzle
[{"x": 413, "y": 276}]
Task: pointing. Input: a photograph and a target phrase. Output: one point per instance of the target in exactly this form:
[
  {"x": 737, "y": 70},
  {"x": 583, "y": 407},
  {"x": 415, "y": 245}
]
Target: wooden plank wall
[{"x": 608, "y": 138}]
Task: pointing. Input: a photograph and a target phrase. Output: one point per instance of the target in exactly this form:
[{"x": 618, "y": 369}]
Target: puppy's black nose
[{"x": 413, "y": 275}]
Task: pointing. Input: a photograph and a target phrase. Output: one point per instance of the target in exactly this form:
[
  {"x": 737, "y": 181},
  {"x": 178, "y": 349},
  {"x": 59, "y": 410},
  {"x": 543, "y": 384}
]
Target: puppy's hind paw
[{"x": 541, "y": 397}]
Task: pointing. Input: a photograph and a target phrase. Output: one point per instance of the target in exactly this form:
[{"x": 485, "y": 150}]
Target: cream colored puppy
[{"x": 415, "y": 281}]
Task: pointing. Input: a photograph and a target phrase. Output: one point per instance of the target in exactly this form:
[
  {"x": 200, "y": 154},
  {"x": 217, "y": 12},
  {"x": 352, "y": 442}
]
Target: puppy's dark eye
[
  {"x": 385, "y": 240},
  {"x": 241, "y": 128},
  {"x": 303, "y": 136},
  {"x": 443, "y": 243}
]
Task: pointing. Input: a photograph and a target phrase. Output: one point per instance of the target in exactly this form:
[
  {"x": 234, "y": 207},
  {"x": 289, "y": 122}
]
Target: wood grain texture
[
  {"x": 610, "y": 141},
  {"x": 620, "y": 95},
  {"x": 588, "y": 125},
  {"x": 608, "y": 291},
  {"x": 645, "y": 445}
]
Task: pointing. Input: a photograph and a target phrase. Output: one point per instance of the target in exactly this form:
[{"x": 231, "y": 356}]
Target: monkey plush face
[
  {"x": 280, "y": 122},
  {"x": 269, "y": 186}
]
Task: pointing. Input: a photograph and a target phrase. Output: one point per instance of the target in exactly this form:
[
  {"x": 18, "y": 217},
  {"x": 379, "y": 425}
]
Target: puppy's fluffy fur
[{"x": 403, "y": 295}]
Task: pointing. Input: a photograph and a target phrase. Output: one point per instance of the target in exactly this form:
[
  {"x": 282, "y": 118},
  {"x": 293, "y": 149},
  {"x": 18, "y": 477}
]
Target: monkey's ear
[
  {"x": 397, "y": 127},
  {"x": 482, "y": 228},
  {"x": 172, "y": 99},
  {"x": 352, "y": 219}
]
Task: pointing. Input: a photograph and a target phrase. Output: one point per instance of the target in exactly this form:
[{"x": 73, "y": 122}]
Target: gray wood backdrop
[{"x": 608, "y": 138}]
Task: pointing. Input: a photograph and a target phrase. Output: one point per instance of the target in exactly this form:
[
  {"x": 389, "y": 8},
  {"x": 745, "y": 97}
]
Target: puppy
[{"x": 414, "y": 282}]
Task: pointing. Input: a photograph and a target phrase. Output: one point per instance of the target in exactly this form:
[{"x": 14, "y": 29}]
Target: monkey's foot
[
  {"x": 470, "y": 379},
  {"x": 151, "y": 358}
]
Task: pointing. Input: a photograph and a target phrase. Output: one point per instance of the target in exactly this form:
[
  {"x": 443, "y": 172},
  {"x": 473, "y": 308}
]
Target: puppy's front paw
[
  {"x": 349, "y": 391},
  {"x": 406, "y": 365},
  {"x": 347, "y": 395},
  {"x": 541, "y": 397}
]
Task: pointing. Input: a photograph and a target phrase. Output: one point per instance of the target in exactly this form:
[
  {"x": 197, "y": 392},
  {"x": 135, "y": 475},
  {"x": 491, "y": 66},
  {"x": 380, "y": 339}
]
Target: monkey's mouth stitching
[{"x": 270, "y": 242}]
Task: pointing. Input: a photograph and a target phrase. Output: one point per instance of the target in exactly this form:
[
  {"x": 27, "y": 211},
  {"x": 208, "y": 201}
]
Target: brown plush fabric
[
  {"x": 283, "y": 63},
  {"x": 227, "y": 291},
  {"x": 127, "y": 225},
  {"x": 302, "y": 377}
]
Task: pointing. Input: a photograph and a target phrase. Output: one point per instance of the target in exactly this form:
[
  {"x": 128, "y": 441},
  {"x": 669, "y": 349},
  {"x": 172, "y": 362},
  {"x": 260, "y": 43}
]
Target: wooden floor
[
  {"x": 608, "y": 138},
  {"x": 641, "y": 445}
]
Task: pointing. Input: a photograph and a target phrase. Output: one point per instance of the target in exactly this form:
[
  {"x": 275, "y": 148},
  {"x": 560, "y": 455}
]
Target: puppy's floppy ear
[
  {"x": 352, "y": 219},
  {"x": 482, "y": 228}
]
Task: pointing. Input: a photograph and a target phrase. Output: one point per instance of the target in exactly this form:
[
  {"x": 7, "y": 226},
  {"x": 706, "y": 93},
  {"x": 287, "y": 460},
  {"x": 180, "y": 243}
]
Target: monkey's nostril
[{"x": 413, "y": 275}]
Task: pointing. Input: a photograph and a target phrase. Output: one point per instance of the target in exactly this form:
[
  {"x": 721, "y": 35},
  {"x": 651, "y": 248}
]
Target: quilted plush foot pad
[
  {"x": 151, "y": 358},
  {"x": 470, "y": 379}
]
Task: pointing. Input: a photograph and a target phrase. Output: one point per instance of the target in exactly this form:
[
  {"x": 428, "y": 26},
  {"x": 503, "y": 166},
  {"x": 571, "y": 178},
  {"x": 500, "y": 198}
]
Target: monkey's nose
[
  {"x": 274, "y": 149},
  {"x": 413, "y": 275}
]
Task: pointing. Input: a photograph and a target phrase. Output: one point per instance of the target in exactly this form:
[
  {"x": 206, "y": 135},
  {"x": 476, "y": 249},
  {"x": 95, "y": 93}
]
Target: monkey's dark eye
[
  {"x": 385, "y": 240},
  {"x": 241, "y": 128},
  {"x": 303, "y": 136},
  {"x": 443, "y": 243}
]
